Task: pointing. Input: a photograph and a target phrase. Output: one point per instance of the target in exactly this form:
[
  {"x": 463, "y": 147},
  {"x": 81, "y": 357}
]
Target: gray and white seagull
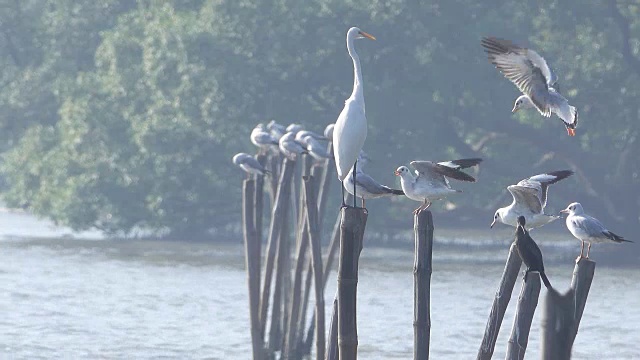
[
  {"x": 529, "y": 200},
  {"x": 261, "y": 137},
  {"x": 366, "y": 186},
  {"x": 535, "y": 79},
  {"x": 431, "y": 182},
  {"x": 588, "y": 229},
  {"x": 249, "y": 164}
]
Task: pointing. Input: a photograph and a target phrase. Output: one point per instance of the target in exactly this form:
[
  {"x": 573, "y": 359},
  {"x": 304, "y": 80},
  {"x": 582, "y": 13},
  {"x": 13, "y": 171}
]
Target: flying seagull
[
  {"x": 588, "y": 229},
  {"x": 535, "y": 79},
  {"x": 249, "y": 164},
  {"x": 529, "y": 200},
  {"x": 529, "y": 252},
  {"x": 431, "y": 182},
  {"x": 350, "y": 130}
]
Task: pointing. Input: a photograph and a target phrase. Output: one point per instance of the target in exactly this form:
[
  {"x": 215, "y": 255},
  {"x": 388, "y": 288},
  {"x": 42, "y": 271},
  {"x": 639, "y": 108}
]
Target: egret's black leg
[
  {"x": 342, "y": 188},
  {"x": 354, "y": 183}
]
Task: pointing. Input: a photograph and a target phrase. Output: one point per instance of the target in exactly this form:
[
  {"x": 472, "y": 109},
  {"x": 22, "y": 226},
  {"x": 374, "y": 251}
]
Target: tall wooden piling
[
  {"x": 423, "y": 228},
  {"x": 316, "y": 261},
  {"x": 557, "y": 325},
  {"x": 527, "y": 302},
  {"x": 581, "y": 281},
  {"x": 278, "y": 308},
  {"x": 280, "y": 204},
  {"x": 258, "y": 201},
  {"x": 500, "y": 303},
  {"x": 332, "y": 342},
  {"x": 352, "y": 228},
  {"x": 252, "y": 261}
]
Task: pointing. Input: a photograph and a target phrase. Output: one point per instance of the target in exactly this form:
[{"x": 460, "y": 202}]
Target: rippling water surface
[{"x": 69, "y": 298}]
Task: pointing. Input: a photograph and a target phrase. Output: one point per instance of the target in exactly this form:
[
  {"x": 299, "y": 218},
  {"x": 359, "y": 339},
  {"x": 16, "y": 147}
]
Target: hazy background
[{"x": 125, "y": 114}]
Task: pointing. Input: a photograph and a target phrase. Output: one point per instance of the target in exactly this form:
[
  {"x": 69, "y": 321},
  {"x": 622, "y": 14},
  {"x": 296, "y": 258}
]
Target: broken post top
[
  {"x": 423, "y": 220},
  {"x": 353, "y": 217}
]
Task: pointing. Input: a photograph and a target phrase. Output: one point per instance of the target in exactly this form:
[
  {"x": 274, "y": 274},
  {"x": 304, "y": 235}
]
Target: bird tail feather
[{"x": 545, "y": 280}]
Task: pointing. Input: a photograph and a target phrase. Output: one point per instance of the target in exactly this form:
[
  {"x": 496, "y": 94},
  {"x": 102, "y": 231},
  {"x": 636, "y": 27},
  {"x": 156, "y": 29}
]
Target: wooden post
[
  {"x": 333, "y": 338},
  {"x": 557, "y": 325},
  {"x": 580, "y": 284},
  {"x": 290, "y": 343},
  {"x": 277, "y": 223},
  {"x": 500, "y": 303},
  {"x": 423, "y": 229},
  {"x": 332, "y": 343},
  {"x": 527, "y": 303},
  {"x": 258, "y": 200},
  {"x": 252, "y": 257},
  {"x": 316, "y": 261},
  {"x": 352, "y": 226}
]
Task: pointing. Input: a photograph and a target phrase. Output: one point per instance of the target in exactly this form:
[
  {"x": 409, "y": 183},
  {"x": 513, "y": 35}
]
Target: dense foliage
[{"x": 119, "y": 114}]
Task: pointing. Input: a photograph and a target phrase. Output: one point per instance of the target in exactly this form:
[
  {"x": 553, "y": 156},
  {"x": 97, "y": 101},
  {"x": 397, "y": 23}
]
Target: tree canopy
[{"x": 121, "y": 114}]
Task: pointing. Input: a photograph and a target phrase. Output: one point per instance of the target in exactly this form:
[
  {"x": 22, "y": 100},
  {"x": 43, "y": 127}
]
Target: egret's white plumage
[
  {"x": 588, "y": 229},
  {"x": 350, "y": 130},
  {"x": 529, "y": 200}
]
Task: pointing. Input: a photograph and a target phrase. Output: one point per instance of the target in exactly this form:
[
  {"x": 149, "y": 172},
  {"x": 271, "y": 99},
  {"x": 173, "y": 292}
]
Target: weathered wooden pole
[
  {"x": 580, "y": 284},
  {"x": 280, "y": 205},
  {"x": 527, "y": 302},
  {"x": 291, "y": 331},
  {"x": 278, "y": 308},
  {"x": 258, "y": 201},
  {"x": 316, "y": 261},
  {"x": 352, "y": 226},
  {"x": 423, "y": 229},
  {"x": 252, "y": 263},
  {"x": 332, "y": 342},
  {"x": 557, "y": 325},
  {"x": 500, "y": 303}
]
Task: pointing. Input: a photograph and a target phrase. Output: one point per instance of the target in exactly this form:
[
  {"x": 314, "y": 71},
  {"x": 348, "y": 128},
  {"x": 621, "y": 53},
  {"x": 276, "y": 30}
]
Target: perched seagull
[
  {"x": 529, "y": 252},
  {"x": 431, "y": 182},
  {"x": 249, "y": 164},
  {"x": 588, "y": 229},
  {"x": 290, "y": 147},
  {"x": 529, "y": 200},
  {"x": 300, "y": 135},
  {"x": 294, "y": 128},
  {"x": 261, "y": 138},
  {"x": 366, "y": 186},
  {"x": 277, "y": 130},
  {"x": 328, "y": 131},
  {"x": 350, "y": 130},
  {"x": 315, "y": 149},
  {"x": 531, "y": 74}
]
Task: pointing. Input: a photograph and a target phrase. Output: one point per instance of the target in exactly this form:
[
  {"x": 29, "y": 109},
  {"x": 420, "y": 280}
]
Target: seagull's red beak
[{"x": 396, "y": 173}]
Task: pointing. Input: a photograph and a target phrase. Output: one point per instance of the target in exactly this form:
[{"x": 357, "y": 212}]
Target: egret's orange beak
[
  {"x": 396, "y": 173},
  {"x": 571, "y": 132},
  {"x": 367, "y": 35}
]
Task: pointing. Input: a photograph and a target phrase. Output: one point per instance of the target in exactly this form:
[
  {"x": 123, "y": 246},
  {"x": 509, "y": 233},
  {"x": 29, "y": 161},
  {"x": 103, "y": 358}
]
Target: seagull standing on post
[{"x": 350, "y": 130}]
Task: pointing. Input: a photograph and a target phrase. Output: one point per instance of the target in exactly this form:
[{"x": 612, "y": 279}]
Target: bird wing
[
  {"x": 590, "y": 225},
  {"x": 371, "y": 185},
  {"x": 547, "y": 179},
  {"x": 439, "y": 170},
  {"x": 252, "y": 162},
  {"x": 526, "y": 196},
  {"x": 524, "y": 67},
  {"x": 461, "y": 163}
]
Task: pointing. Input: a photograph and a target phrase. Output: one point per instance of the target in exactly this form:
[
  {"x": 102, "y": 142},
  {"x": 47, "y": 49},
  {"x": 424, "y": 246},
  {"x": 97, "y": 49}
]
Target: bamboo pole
[
  {"x": 557, "y": 325},
  {"x": 352, "y": 226},
  {"x": 527, "y": 302},
  {"x": 333, "y": 247},
  {"x": 252, "y": 257},
  {"x": 500, "y": 303},
  {"x": 277, "y": 223},
  {"x": 581, "y": 281},
  {"x": 423, "y": 228},
  {"x": 316, "y": 261},
  {"x": 290, "y": 343}
]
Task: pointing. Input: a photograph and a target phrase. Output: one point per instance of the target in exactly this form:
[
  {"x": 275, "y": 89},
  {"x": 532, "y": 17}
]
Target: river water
[{"x": 85, "y": 299}]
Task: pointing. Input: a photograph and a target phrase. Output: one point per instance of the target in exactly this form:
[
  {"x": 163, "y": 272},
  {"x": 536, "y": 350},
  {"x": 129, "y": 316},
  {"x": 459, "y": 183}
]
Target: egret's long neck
[{"x": 357, "y": 92}]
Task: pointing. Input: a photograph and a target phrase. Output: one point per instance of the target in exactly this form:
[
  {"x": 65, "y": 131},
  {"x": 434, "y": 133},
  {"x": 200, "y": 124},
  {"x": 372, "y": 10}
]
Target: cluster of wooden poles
[{"x": 298, "y": 196}]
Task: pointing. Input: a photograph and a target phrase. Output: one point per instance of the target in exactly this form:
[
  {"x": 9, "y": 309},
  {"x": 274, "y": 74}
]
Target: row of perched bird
[{"x": 524, "y": 67}]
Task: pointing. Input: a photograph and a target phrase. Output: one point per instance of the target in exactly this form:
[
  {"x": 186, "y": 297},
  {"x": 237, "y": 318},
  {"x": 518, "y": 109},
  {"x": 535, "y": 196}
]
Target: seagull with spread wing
[
  {"x": 431, "y": 182},
  {"x": 535, "y": 79},
  {"x": 529, "y": 200}
]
